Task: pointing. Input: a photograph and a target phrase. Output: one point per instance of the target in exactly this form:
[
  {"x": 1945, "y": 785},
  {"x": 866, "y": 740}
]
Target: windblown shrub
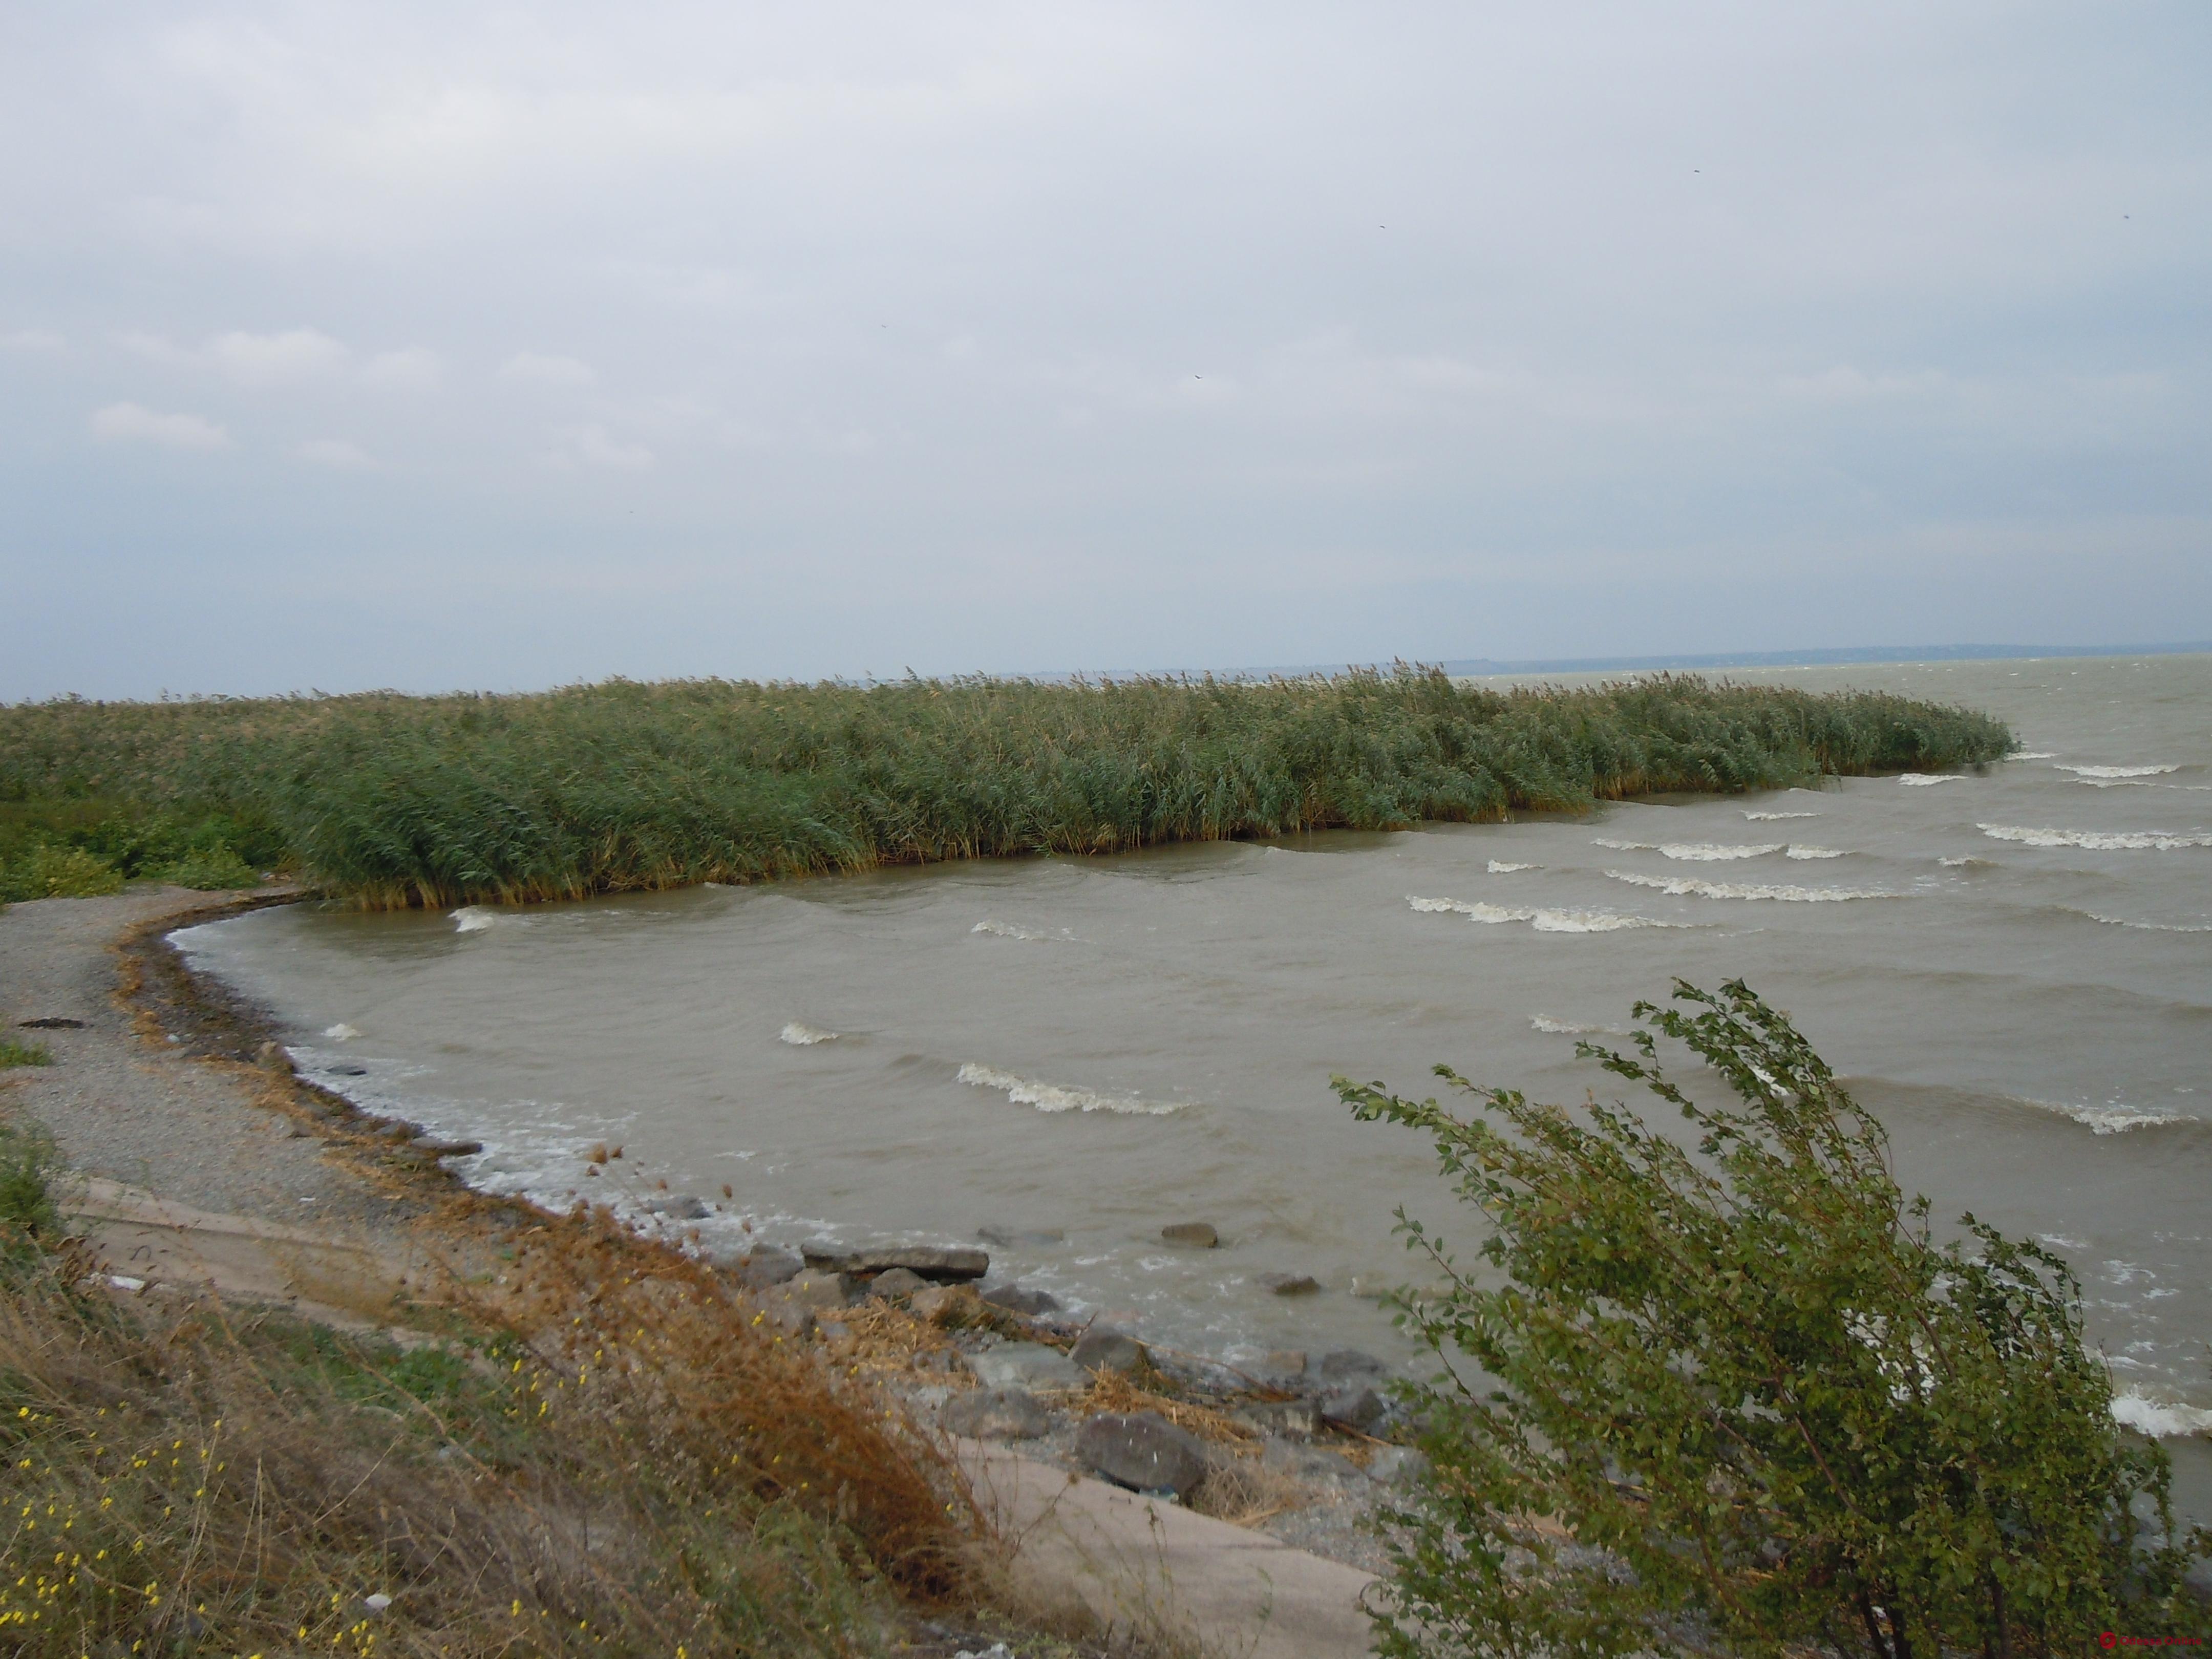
[{"x": 1741, "y": 1400}]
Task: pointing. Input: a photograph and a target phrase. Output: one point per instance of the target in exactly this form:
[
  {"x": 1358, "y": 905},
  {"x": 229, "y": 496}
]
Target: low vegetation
[
  {"x": 596, "y": 1450},
  {"x": 393, "y": 800},
  {"x": 1741, "y": 1400}
]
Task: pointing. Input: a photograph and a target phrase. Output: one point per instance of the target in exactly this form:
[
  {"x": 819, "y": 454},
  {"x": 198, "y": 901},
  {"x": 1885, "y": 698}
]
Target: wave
[
  {"x": 2034, "y": 754},
  {"x": 1921, "y": 780},
  {"x": 1684, "y": 885},
  {"x": 1776, "y": 818},
  {"x": 1055, "y": 1097},
  {"x": 2147, "y": 927},
  {"x": 1571, "y": 1028},
  {"x": 1014, "y": 930},
  {"x": 805, "y": 1036},
  {"x": 1817, "y": 853},
  {"x": 472, "y": 918},
  {"x": 1543, "y": 920},
  {"x": 2097, "y": 841},
  {"x": 1692, "y": 852},
  {"x": 1499, "y": 867},
  {"x": 2113, "y": 1117},
  {"x": 2161, "y": 1422},
  {"x": 2116, "y": 771},
  {"x": 341, "y": 1032},
  {"x": 1968, "y": 864}
]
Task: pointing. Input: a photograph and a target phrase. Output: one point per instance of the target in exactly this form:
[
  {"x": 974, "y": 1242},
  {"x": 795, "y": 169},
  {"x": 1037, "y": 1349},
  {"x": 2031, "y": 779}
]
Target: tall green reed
[{"x": 393, "y": 800}]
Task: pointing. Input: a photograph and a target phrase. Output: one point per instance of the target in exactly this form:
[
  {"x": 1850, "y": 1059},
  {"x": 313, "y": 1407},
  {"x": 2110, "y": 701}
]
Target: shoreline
[{"x": 389, "y": 1227}]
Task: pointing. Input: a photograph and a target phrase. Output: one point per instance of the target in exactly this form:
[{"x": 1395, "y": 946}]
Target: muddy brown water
[{"x": 2013, "y": 968}]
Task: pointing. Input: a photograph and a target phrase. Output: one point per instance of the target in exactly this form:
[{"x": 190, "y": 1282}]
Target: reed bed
[{"x": 393, "y": 801}]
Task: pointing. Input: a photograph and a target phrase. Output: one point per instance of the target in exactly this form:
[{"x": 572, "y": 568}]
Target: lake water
[{"x": 2013, "y": 969}]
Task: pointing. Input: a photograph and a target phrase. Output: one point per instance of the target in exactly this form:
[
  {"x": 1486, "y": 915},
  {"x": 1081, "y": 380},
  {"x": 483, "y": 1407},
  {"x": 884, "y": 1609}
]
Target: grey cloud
[{"x": 986, "y": 336}]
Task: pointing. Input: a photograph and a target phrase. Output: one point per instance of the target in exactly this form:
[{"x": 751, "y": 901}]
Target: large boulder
[
  {"x": 759, "y": 1266},
  {"x": 1191, "y": 1235},
  {"x": 943, "y": 1263},
  {"x": 1103, "y": 1348},
  {"x": 997, "y": 1414},
  {"x": 1016, "y": 1299},
  {"x": 1144, "y": 1452},
  {"x": 896, "y": 1284}
]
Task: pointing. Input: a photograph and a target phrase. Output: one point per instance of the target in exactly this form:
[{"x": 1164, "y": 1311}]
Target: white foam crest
[
  {"x": 2113, "y": 1118},
  {"x": 1571, "y": 1028},
  {"x": 2034, "y": 754},
  {"x": 1543, "y": 920},
  {"x": 1682, "y": 886},
  {"x": 805, "y": 1036},
  {"x": 472, "y": 918},
  {"x": 2147, "y": 927},
  {"x": 1968, "y": 864},
  {"x": 2116, "y": 771},
  {"x": 2121, "y": 783},
  {"x": 1797, "y": 852},
  {"x": 341, "y": 1032},
  {"x": 1922, "y": 779},
  {"x": 2097, "y": 841},
  {"x": 1500, "y": 867},
  {"x": 1693, "y": 852},
  {"x": 1015, "y": 930},
  {"x": 1056, "y": 1098},
  {"x": 2160, "y": 1421},
  {"x": 1776, "y": 818}
]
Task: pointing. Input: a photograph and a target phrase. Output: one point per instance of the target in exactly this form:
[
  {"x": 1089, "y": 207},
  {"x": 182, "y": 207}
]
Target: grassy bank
[
  {"x": 597, "y": 1451},
  {"x": 393, "y": 800}
]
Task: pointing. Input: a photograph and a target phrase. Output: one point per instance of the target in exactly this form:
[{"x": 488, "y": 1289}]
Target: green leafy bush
[
  {"x": 13, "y": 1053},
  {"x": 212, "y": 869},
  {"x": 27, "y": 1213},
  {"x": 1741, "y": 1400},
  {"x": 50, "y": 872}
]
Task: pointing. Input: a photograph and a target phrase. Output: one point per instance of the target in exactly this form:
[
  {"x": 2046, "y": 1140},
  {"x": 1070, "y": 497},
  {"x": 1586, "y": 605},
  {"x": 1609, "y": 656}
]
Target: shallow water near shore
[{"x": 2013, "y": 969}]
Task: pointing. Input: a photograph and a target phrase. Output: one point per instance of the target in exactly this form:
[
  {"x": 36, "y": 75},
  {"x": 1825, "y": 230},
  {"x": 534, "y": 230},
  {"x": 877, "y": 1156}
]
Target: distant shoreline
[{"x": 1483, "y": 667}]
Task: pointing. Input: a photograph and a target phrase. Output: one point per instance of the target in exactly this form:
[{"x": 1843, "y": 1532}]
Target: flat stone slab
[
  {"x": 1144, "y": 1565},
  {"x": 943, "y": 1263},
  {"x": 1027, "y": 1365}
]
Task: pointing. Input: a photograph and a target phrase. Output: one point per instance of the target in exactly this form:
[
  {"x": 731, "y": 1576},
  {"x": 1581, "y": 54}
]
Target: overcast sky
[{"x": 434, "y": 345}]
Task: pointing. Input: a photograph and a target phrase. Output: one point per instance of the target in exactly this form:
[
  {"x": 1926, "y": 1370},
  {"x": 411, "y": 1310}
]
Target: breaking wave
[
  {"x": 1697, "y": 852},
  {"x": 2116, "y": 771},
  {"x": 2113, "y": 1117},
  {"x": 1686, "y": 885},
  {"x": 2034, "y": 754},
  {"x": 1817, "y": 853},
  {"x": 1054, "y": 1097},
  {"x": 1776, "y": 818},
  {"x": 2161, "y": 1422},
  {"x": 1543, "y": 920},
  {"x": 1922, "y": 779},
  {"x": 2147, "y": 927},
  {"x": 1499, "y": 867},
  {"x": 1014, "y": 930},
  {"x": 2097, "y": 841},
  {"x": 1571, "y": 1028},
  {"x": 805, "y": 1036},
  {"x": 472, "y": 918}
]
